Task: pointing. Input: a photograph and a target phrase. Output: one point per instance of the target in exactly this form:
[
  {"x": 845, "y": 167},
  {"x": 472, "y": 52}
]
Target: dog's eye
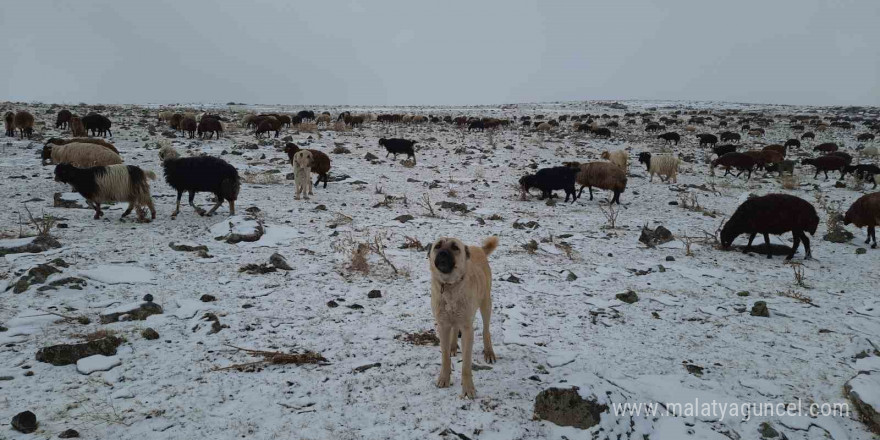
[{"x": 454, "y": 248}]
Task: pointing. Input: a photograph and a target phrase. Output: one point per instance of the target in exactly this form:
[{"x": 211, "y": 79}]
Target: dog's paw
[
  {"x": 468, "y": 391},
  {"x": 489, "y": 356},
  {"x": 443, "y": 381}
]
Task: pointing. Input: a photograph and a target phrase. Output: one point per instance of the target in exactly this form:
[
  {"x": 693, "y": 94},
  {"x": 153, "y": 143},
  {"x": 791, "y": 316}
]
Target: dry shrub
[
  {"x": 340, "y": 127},
  {"x": 427, "y": 337},
  {"x": 43, "y": 224},
  {"x": 798, "y": 296},
  {"x": 307, "y": 127},
  {"x": 412, "y": 243},
  {"x": 274, "y": 358},
  {"x": 262, "y": 178}
]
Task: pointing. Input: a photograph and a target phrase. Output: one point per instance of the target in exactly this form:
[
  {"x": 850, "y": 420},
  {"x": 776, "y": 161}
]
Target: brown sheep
[
  {"x": 827, "y": 147},
  {"x": 77, "y": 129},
  {"x": 189, "y": 126},
  {"x": 24, "y": 122},
  {"x": 10, "y": 124},
  {"x": 865, "y": 212},
  {"x": 175, "y": 120},
  {"x": 320, "y": 162},
  {"x": 776, "y": 147},
  {"x": 602, "y": 175}
]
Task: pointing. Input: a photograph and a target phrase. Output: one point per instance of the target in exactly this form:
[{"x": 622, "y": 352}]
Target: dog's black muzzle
[{"x": 444, "y": 262}]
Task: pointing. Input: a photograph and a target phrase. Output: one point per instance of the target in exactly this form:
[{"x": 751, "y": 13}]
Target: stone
[
  {"x": 767, "y": 432},
  {"x": 454, "y": 207},
  {"x": 207, "y": 298},
  {"x": 571, "y": 276},
  {"x": 861, "y": 251},
  {"x": 862, "y": 390},
  {"x": 131, "y": 313},
  {"x": 565, "y": 407},
  {"x": 66, "y": 354},
  {"x": 187, "y": 247},
  {"x": 58, "y": 201},
  {"x": 25, "y": 422},
  {"x": 371, "y": 157},
  {"x": 363, "y": 368},
  {"x": 838, "y": 235},
  {"x": 404, "y": 218},
  {"x": 375, "y": 293},
  {"x": 278, "y": 261},
  {"x": 150, "y": 334},
  {"x": 670, "y": 258},
  {"x": 628, "y": 297},
  {"x": 760, "y": 309},
  {"x": 658, "y": 236},
  {"x": 332, "y": 304},
  {"x": 743, "y": 293},
  {"x": 70, "y": 433}
]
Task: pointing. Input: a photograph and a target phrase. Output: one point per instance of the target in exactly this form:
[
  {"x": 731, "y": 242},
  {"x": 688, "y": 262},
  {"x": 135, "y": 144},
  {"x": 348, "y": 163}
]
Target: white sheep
[
  {"x": 663, "y": 165},
  {"x": 114, "y": 183},
  {"x": 82, "y": 155},
  {"x": 619, "y": 158},
  {"x": 869, "y": 152}
]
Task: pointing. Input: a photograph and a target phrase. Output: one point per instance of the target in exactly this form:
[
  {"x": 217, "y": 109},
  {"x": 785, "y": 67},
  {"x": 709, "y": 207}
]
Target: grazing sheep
[
  {"x": 707, "y": 139},
  {"x": 63, "y": 119},
  {"x": 165, "y": 116},
  {"x": 808, "y": 135},
  {"x": 175, "y": 121},
  {"x": 209, "y": 126},
  {"x": 826, "y": 164},
  {"x": 551, "y": 179},
  {"x": 77, "y": 129},
  {"x": 662, "y": 165},
  {"x": 865, "y": 137},
  {"x": 670, "y": 137},
  {"x": 24, "y": 122},
  {"x": 602, "y": 175},
  {"x": 397, "y": 146},
  {"x": 306, "y": 115},
  {"x": 729, "y": 136},
  {"x": 865, "y": 212},
  {"x": 741, "y": 161},
  {"x": 97, "y": 124},
  {"x": 266, "y": 124},
  {"x": 189, "y": 126},
  {"x": 776, "y": 147},
  {"x": 827, "y": 147},
  {"x": 82, "y": 155},
  {"x": 863, "y": 172},
  {"x": 793, "y": 143},
  {"x": 602, "y": 132},
  {"x": 200, "y": 174},
  {"x": 112, "y": 183},
  {"x": 619, "y": 158},
  {"x": 85, "y": 140},
  {"x": 320, "y": 162},
  {"x": 302, "y": 166},
  {"x": 756, "y": 132},
  {"x": 323, "y": 119},
  {"x": 845, "y": 156},
  {"x": 772, "y": 214},
  {"x": 9, "y": 118},
  {"x": 721, "y": 150}
]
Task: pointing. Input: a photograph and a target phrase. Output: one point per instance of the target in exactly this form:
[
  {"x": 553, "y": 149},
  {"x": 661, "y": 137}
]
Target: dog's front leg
[
  {"x": 467, "y": 351},
  {"x": 445, "y": 363}
]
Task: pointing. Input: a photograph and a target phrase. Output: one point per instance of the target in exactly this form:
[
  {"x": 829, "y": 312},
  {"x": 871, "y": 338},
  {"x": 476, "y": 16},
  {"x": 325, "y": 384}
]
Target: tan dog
[
  {"x": 302, "y": 179},
  {"x": 461, "y": 282}
]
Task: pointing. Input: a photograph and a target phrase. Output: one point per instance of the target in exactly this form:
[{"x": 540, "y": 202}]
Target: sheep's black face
[
  {"x": 727, "y": 237},
  {"x": 61, "y": 173}
]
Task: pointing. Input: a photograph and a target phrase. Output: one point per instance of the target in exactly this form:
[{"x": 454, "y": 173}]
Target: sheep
[
  {"x": 776, "y": 147},
  {"x": 865, "y": 137},
  {"x": 793, "y": 143},
  {"x": 175, "y": 121},
  {"x": 306, "y": 115},
  {"x": 786, "y": 166},
  {"x": 619, "y": 158},
  {"x": 209, "y": 126},
  {"x": 77, "y": 129},
  {"x": 189, "y": 126},
  {"x": 550, "y": 179},
  {"x": 756, "y": 132},
  {"x": 670, "y": 137},
  {"x": 662, "y": 165},
  {"x": 200, "y": 174},
  {"x": 869, "y": 152},
  {"x": 85, "y": 140},
  {"x": 690, "y": 128},
  {"x": 320, "y": 162},
  {"x": 602, "y": 175},
  {"x": 397, "y": 146},
  {"x": 63, "y": 119},
  {"x": 808, "y": 135},
  {"x": 24, "y": 122},
  {"x": 826, "y": 164},
  {"x": 266, "y": 124},
  {"x": 827, "y": 147},
  {"x": 247, "y": 120},
  {"x": 323, "y": 119},
  {"x": 865, "y": 212},
  {"x": 845, "y": 156},
  {"x": 740, "y": 161},
  {"x": 9, "y": 118},
  {"x": 111, "y": 183},
  {"x": 707, "y": 139},
  {"x": 772, "y": 214},
  {"x": 97, "y": 124},
  {"x": 302, "y": 166},
  {"x": 82, "y": 155},
  {"x": 602, "y": 132},
  {"x": 165, "y": 116},
  {"x": 730, "y": 136},
  {"x": 721, "y": 150}
]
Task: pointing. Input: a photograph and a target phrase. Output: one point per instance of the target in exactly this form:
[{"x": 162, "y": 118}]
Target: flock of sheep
[{"x": 93, "y": 167}]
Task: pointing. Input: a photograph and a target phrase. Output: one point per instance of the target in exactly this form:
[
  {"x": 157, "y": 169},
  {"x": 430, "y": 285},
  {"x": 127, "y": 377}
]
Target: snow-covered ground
[{"x": 556, "y": 319}]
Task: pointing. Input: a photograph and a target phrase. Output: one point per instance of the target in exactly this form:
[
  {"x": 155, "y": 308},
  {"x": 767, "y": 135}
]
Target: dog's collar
[{"x": 445, "y": 286}]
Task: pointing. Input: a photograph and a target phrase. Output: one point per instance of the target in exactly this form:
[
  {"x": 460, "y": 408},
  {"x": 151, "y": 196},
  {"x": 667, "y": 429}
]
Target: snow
[
  {"x": 544, "y": 327},
  {"x": 91, "y": 364},
  {"x": 16, "y": 242}
]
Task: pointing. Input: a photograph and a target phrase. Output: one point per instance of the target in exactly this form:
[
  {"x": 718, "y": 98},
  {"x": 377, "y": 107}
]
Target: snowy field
[{"x": 556, "y": 321}]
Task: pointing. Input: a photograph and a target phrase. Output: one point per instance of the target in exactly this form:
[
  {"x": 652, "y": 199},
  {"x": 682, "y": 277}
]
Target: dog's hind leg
[
  {"x": 467, "y": 351},
  {"x": 486, "y": 312},
  {"x": 444, "y": 331}
]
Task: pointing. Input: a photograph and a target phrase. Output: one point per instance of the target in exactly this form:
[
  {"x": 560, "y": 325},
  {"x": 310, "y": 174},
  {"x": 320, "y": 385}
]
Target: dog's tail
[{"x": 490, "y": 244}]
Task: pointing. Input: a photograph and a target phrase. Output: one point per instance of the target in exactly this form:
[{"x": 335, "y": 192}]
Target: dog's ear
[
  {"x": 430, "y": 247},
  {"x": 467, "y": 253}
]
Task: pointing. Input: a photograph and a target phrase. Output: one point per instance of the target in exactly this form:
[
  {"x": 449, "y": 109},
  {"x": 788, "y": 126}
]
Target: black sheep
[
  {"x": 742, "y": 162},
  {"x": 793, "y": 143},
  {"x": 826, "y": 164},
  {"x": 721, "y": 150},
  {"x": 808, "y": 135},
  {"x": 397, "y": 146},
  {"x": 200, "y": 174},
  {"x": 476, "y": 125},
  {"x": 209, "y": 126},
  {"x": 862, "y": 171},
  {"x": 670, "y": 137},
  {"x": 772, "y": 214},
  {"x": 730, "y": 136},
  {"x": 306, "y": 115},
  {"x": 602, "y": 132},
  {"x": 97, "y": 124},
  {"x": 63, "y": 119},
  {"x": 551, "y": 179},
  {"x": 707, "y": 139},
  {"x": 827, "y": 147}
]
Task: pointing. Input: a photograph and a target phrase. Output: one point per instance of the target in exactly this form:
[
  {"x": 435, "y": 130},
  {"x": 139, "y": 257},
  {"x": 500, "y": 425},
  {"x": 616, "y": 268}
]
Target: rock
[
  {"x": 659, "y": 235},
  {"x": 25, "y": 422},
  {"x": 150, "y": 334},
  {"x": 760, "y": 309},
  {"x": 290, "y": 176},
  {"x": 257, "y": 269},
  {"x": 21, "y": 286},
  {"x": 278, "y": 261},
  {"x": 148, "y": 298},
  {"x": 864, "y": 391},
  {"x": 187, "y": 247},
  {"x": 31, "y": 245},
  {"x": 207, "y": 298},
  {"x": 838, "y": 235},
  {"x": 332, "y": 304},
  {"x": 215, "y": 323},
  {"x": 454, "y": 207},
  {"x": 341, "y": 150},
  {"x": 766, "y": 430},
  {"x": 131, "y": 312},
  {"x": 527, "y": 225},
  {"x": 571, "y": 276},
  {"x": 513, "y": 279},
  {"x": 840, "y": 184},
  {"x": 404, "y": 218},
  {"x": 320, "y": 208},
  {"x": 363, "y": 368},
  {"x": 371, "y": 157},
  {"x": 743, "y": 293},
  {"x": 66, "y": 354},
  {"x": 565, "y": 407},
  {"x": 861, "y": 251},
  {"x": 375, "y": 293},
  {"x": 670, "y": 258},
  {"x": 628, "y": 297},
  {"x": 91, "y": 364},
  {"x": 70, "y": 433},
  {"x": 169, "y": 134},
  {"x": 58, "y": 201}
]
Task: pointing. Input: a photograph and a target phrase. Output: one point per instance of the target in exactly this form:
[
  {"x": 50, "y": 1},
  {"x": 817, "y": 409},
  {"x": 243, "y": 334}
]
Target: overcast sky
[{"x": 440, "y": 52}]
